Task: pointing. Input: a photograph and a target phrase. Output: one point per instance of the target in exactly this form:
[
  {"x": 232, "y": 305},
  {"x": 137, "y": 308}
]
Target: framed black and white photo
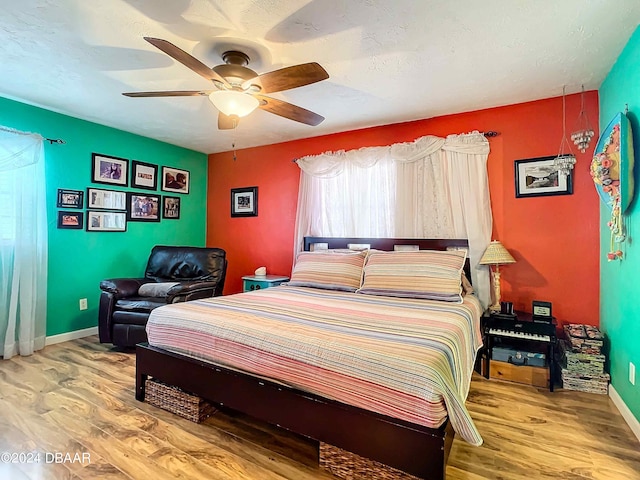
[
  {"x": 536, "y": 177},
  {"x": 72, "y": 220},
  {"x": 108, "y": 169},
  {"x": 106, "y": 199},
  {"x": 171, "y": 207},
  {"x": 101, "y": 221},
  {"x": 70, "y": 198},
  {"x": 144, "y": 175},
  {"x": 244, "y": 202},
  {"x": 175, "y": 180},
  {"x": 142, "y": 207}
]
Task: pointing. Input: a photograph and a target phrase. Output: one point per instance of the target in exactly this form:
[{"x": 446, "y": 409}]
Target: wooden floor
[{"x": 78, "y": 398}]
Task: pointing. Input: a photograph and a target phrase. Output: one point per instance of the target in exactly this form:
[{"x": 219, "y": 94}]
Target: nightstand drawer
[
  {"x": 251, "y": 283},
  {"x": 536, "y": 376}
]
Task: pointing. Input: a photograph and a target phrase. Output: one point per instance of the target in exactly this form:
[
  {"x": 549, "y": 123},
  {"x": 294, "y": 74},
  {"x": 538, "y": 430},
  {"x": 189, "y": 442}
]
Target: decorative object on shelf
[
  {"x": 71, "y": 220},
  {"x": 564, "y": 162},
  {"x": 584, "y": 133},
  {"x": 144, "y": 175},
  {"x": 70, "y": 198},
  {"x": 244, "y": 202},
  {"x": 612, "y": 173},
  {"x": 171, "y": 208},
  {"x": 175, "y": 180},
  {"x": 106, "y": 221},
  {"x": 537, "y": 177},
  {"x": 143, "y": 207},
  {"x": 541, "y": 310},
  {"x": 261, "y": 272},
  {"x": 106, "y": 199},
  {"x": 497, "y": 255},
  {"x": 108, "y": 169}
]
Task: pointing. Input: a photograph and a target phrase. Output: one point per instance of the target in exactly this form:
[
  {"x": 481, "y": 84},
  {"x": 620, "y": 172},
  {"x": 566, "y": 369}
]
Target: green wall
[
  {"x": 619, "y": 280},
  {"x": 79, "y": 260}
]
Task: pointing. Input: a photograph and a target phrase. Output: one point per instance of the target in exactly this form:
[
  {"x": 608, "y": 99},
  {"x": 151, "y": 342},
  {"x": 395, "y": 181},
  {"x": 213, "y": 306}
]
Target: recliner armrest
[
  {"x": 189, "y": 289},
  {"x": 123, "y": 287}
]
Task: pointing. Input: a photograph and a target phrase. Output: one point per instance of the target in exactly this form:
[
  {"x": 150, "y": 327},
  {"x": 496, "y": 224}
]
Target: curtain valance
[
  {"x": 331, "y": 164},
  {"x": 18, "y": 149}
]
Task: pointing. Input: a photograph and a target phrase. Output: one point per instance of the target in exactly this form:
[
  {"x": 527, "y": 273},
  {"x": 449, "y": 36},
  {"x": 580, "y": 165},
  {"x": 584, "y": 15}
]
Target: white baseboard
[
  {"x": 631, "y": 420},
  {"x": 65, "y": 337}
]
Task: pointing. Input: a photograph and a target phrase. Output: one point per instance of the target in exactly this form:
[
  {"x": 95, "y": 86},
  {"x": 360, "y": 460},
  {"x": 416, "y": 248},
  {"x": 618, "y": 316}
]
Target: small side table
[
  {"x": 520, "y": 332},
  {"x": 252, "y": 282}
]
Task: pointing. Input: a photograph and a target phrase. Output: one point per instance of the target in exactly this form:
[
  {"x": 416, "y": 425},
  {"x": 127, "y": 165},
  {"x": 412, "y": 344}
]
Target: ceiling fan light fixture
[{"x": 231, "y": 102}]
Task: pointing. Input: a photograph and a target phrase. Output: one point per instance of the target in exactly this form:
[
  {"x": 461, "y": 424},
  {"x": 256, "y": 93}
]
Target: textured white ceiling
[{"x": 388, "y": 60}]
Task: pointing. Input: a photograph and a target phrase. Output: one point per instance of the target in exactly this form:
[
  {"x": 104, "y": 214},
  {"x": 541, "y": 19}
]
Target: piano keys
[{"x": 519, "y": 334}]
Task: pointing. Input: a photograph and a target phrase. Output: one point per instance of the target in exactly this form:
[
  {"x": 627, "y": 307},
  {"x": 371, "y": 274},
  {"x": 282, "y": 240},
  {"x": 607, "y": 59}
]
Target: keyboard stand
[{"x": 528, "y": 330}]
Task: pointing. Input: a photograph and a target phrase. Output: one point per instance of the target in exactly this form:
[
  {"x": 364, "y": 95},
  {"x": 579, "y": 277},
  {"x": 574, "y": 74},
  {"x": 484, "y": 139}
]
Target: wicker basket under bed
[
  {"x": 175, "y": 400},
  {"x": 350, "y": 466}
]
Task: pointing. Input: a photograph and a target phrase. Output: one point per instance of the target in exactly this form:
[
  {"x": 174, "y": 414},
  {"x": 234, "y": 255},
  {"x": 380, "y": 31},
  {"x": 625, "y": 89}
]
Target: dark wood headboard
[{"x": 388, "y": 244}]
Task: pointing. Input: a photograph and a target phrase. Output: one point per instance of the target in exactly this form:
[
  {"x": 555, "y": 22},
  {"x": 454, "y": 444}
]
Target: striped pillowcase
[
  {"x": 426, "y": 274},
  {"x": 329, "y": 270}
]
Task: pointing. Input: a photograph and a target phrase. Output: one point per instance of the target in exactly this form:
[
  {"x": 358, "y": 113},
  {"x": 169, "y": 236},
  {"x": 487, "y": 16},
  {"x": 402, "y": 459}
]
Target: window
[{"x": 7, "y": 209}]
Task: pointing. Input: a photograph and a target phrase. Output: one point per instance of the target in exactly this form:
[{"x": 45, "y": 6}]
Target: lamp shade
[
  {"x": 230, "y": 102},
  {"x": 496, "y": 254}
]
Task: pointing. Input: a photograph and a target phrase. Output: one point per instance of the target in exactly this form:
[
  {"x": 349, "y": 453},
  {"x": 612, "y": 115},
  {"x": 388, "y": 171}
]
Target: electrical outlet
[
  {"x": 83, "y": 304},
  {"x": 632, "y": 373}
]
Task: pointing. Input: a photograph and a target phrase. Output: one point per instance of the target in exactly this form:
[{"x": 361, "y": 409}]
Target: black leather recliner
[{"x": 195, "y": 272}]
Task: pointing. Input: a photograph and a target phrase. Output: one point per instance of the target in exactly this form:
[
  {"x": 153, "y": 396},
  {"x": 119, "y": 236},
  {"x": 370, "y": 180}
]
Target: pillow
[
  {"x": 330, "y": 270},
  {"x": 427, "y": 274},
  {"x": 467, "y": 288},
  {"x": 156, "y": 289}
]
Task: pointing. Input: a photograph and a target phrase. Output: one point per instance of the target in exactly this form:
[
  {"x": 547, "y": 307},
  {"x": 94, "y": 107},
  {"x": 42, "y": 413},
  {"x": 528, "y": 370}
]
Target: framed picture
[
  {"x": 175, "y": 180},
  {"x": 107, "y": 169},
  {"x": 244, "y": 202},
  {"x": 70, "y": 198},
  {"x": 144, "y": 175},
  {"x": 73, "y": 220},
  {"x": 536, "y": 177},
  {"x": 171, "y": 207},
  {"x": 106, "y": 221},
  {"x": 142, "y": 207},
  {"x": 106, "y": 199}
]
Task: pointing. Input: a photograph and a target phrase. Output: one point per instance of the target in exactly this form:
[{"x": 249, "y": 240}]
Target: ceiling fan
[{"x": 239, "y": 90}]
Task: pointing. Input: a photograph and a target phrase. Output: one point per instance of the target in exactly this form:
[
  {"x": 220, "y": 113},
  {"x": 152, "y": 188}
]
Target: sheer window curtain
[
  {"x": 23, "y": 243},
  {"x": 430, "y": 188}
]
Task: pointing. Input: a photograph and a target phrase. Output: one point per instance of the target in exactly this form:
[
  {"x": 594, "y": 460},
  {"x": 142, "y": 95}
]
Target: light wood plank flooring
[{"x": 78, "y": 397}]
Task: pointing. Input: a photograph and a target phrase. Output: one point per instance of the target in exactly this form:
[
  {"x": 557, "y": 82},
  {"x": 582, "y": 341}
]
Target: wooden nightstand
[{"x": 251, "y": 282}]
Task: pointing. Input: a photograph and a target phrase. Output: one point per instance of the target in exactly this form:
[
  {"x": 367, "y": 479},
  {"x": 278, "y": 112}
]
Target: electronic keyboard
[{"x": 525, "y": 330}]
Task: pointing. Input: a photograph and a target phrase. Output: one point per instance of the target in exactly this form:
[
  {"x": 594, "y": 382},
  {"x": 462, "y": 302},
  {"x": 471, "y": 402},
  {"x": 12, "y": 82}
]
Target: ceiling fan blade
[
  {"x": 288, "y": 110},
  {"x": 170, "y": 93},
  {"x": 290, "y": 77},
  {"x": 227, "y": 122},
  {"x": 186, "y": 59}
]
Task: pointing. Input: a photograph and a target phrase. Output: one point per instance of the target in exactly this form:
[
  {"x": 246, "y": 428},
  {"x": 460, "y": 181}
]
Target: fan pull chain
[{"x": 233, "y": 145}]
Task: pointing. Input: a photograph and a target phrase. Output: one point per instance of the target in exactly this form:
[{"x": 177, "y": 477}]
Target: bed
[{"x": 341, "y": 367}]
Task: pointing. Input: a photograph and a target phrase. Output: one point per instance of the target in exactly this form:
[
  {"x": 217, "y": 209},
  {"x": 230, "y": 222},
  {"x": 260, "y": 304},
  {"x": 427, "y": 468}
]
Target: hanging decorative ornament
[
  {"x": 564, "y": 162},
  {"x": 584, "y": 133},
  {"x": 612, "y": 173}
]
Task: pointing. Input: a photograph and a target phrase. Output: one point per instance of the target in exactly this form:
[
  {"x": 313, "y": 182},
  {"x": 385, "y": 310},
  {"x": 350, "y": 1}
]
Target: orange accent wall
[{"x": 555, "y": 240}]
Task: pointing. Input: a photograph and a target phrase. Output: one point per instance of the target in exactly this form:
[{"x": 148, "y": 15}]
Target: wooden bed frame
[{"x": 412, "y": 448}]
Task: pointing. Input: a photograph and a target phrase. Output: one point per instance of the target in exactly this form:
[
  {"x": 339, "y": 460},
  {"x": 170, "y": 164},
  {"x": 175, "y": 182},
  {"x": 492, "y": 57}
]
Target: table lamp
[{"x": 497, "y": 255}]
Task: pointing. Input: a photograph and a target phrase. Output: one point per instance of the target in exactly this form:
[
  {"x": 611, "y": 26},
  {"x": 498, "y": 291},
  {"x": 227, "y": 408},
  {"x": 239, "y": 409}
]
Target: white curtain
[
  {"x": 23, "y": 243},
  {"x": 430, "y": 188}
]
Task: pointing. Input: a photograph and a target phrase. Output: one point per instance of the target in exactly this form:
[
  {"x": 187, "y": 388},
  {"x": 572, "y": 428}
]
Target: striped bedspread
[{"x": 406, "y": 358}]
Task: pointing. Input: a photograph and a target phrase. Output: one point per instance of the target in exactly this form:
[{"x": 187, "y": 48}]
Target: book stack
[{"x": 583, "y": 361}]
